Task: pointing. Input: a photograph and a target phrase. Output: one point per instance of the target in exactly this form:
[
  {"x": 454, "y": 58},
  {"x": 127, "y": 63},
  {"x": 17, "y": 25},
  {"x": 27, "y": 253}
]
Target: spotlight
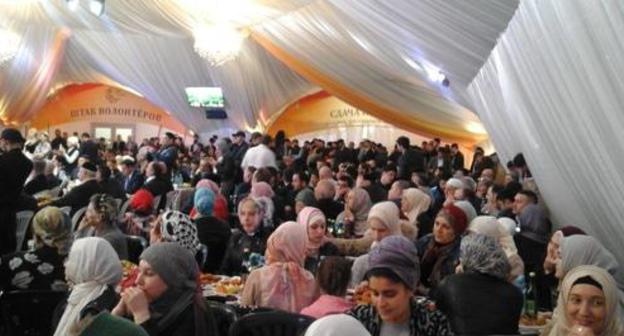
[
  {"x": 73, "y": 4},
  {"x": 97, "y": 7}
]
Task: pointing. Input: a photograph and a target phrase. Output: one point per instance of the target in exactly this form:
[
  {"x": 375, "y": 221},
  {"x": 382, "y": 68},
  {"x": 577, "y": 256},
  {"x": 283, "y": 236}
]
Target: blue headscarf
[{"x": 204, "y": 201}]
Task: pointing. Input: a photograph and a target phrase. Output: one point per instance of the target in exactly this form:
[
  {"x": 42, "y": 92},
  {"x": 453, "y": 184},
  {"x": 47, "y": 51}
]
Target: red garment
[
  {"x": 220, "y": 209},
  {"x": 327, "y": 305}
]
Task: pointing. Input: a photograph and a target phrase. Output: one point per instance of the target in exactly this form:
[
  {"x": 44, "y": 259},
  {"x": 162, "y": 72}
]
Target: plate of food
[
  {"x": 209, "y": 279},
  {"x": 533, "y": 324},
  {"x": 229, "y": 286}
]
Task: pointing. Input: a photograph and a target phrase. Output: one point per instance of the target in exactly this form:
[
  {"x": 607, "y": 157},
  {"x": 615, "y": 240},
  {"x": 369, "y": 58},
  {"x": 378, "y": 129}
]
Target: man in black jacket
[
  {"x": 89, "y": 148},
  {"x": 78, "y": 197},
  {"x": 133, "y": 180},
  {"x": 457, "y": 158},
  {"x": 411, "y": 160},
  {"x": 39, "y": 182},
  {"x": 226, "y": 166},
  {"x": 14, "y": 169}
]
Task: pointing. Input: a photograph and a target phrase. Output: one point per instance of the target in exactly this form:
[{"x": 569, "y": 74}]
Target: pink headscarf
[
  {"x": 285, "y": 283},
  {"x": 307, "y": 216},
  {"x": 210, "y": 184},
  {"x": 261, "y": 189}
]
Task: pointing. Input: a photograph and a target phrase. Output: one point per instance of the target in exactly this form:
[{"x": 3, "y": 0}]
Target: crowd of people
[{"x": 439, "y": 247}]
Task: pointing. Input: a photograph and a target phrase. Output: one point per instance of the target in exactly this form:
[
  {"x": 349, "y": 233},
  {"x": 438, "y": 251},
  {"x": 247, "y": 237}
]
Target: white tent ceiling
[{"x": 378, "y": 49}]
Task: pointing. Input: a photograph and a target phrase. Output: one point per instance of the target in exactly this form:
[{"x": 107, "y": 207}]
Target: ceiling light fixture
[
  {"x": 9, "y": 45},
  {"x": 96, "y": 7},
  {"x": 73, "y": 4},
  {"x": 218, "y": 44}
]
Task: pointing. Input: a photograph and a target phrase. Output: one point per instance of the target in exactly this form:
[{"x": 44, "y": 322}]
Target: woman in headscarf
[
  {"x": 355, "y": 215},
  {"x": 220, "y": 207},
  {"x": 261, "y": 189},
  {"x": 490, "y": 226},
  {"x": 414, "y": 205},
  {"x": 553, "y": 254},
  {"x": 41, "y": 268},
  {"x": 392, "y": 278},
  {"x": 480, "y": 300},
  {"x": 333, "y": 278},
  {"x": 337, "y": 325},
  {"x": 140, "y": 213},
  {"x": 282, "y": 283},
  {"x": 250, "y": 238},
  {"x": 212, "y": 232},
  {"x": 166, "y": 299},
  {"x": 92, "y": 269},
  {"x": 588, "y": 305},
  {"x": 175, "y": 227},
  {"x": 580, "y": 250},
  {"x": 439, "y": 251},
  {"x": 100, "y": 220},
  {"x": 383, "y": 221},
  {"x": 317, "y": 245}
]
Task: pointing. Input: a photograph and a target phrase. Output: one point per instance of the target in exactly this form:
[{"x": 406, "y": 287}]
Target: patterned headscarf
[
  {"x": 106, "y": 206},
  {"x": 482, "y": 254},
  {"x": 177, "y": 227},
  {"x": 52, "y": 227},
  {"x": 613, "y": 319}
]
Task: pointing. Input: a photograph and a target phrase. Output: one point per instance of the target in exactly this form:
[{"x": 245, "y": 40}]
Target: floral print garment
[{"x": 38, "y": 269}]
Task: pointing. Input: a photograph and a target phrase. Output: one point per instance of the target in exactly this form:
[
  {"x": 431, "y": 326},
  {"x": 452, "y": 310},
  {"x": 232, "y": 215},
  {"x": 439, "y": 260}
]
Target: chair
[
  {"x": 171, "y": 197},
  {"x": 224, "y": 315},
  {"x": 29, "y": 312},
  {"x": 156, "y": 203},
  {"x": 276, "y": 323},
  {"x": 22, "y": 219},
  {"x": 201, "y": 256},
  {"x": 136, "y": 246},
  {"x": 66, "y": 210},
  {"x": 78, "y": 217}
]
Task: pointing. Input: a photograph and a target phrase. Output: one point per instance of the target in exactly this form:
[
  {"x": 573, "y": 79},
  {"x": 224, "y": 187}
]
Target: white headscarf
[
  {"x": 419, "y": 203},
  {"x": 337, "y": 325},
  {"x": 613, "y": 320},
  {"x": 91, "y": 266}
]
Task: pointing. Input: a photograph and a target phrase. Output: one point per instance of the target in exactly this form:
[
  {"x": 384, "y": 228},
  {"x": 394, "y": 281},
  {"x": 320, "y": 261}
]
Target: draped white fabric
[
  {"x": 377, "y": 48},
  {"x": 553, "y": 89}
]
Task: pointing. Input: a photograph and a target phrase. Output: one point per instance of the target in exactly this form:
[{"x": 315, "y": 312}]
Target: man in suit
[
  {"x": 169, "y": 151},
  {"x": 411, "y": 160},
  {"x": 133, "y": 180},
  {"x": 14, "y": 169},
  {"x": 78, "y": 197},
  {"x": 457, "y": 158},
  {"x": 88, "y": 148},
  {"x": 156, "y": 181}
]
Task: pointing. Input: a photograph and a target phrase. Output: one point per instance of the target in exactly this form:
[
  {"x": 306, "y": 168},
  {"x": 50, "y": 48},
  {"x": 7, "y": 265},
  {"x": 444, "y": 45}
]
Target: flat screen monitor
[{"x": 211, "y": 97}]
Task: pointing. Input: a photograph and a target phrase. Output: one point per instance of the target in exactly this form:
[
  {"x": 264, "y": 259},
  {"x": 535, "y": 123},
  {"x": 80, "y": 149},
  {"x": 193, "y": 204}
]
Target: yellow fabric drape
[
  {"x": 411, "y": 123},
  {"x": 34, "y": 96}
]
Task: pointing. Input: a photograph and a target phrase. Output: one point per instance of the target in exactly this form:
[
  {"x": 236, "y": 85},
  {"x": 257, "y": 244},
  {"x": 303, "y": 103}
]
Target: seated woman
[
  {"x": 304, "y": 198},
  {"x": 333, "y": 278},
  {"x": 165, "y": 299},
  {"x": 392, "y": 276},
  {"x": 414, "y": 205},
  {"x": 220, "y": 207},
  {"x": 490, "y": 226},
  {"x": 587, "y": 306},
  {"x": 355, "y": 215},
  {"x": 251, "y": 239},
  {"x": 175, "y": 227},
  {"x": 439, "y": 251},
  {"x": 100, "y": 220},
  {"x": 140, "y": 214},
  {"x": 41, "y": 268},
  {"x": 383, "y": 221},
  {"x": 317, "y": 246},
  {"x": 581, "y": 250},
  {"x": 212, "y": 232},
  {"x": 92, "y": 269},
  {"x": 282, "y": 283},
  {"x": 483, "y": 283}
]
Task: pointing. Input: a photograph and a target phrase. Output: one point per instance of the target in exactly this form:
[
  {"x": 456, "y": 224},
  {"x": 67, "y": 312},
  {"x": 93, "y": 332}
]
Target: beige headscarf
[
  {"x": 419, "y": 202},
  {"x": 613, "y": 320},
  {"x": 52, "y": 227}
]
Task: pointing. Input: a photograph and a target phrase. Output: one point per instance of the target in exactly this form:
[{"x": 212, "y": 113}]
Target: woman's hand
[
  {"x": 120, "y": 309},
  {"x": 136, "y": 302}
]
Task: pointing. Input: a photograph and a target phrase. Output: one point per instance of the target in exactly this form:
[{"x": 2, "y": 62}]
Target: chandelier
[
  {"x": 9, "y": 45},
  {"x": 218, "y": 44}
]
